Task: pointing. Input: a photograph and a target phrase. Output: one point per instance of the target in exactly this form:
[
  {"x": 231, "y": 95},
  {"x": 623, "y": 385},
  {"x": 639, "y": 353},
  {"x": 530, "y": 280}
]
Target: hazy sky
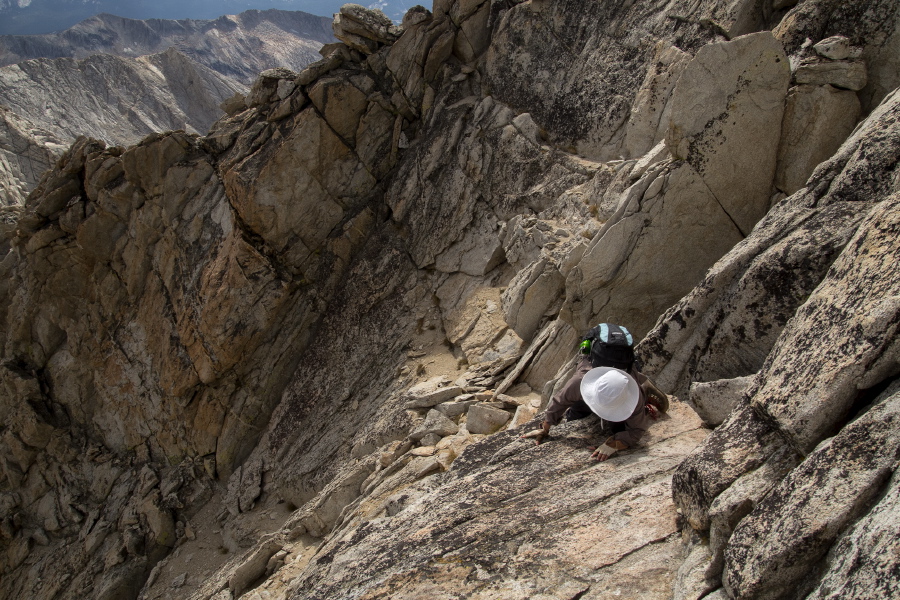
[{"x": 44, "y": 16}]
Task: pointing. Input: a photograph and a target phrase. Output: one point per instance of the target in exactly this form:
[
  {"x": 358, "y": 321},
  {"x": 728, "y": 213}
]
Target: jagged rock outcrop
[
  {"x": 804, "y": 392},
  {"x": 246, "y": 364},
  {"x": 236, "y": 46}
]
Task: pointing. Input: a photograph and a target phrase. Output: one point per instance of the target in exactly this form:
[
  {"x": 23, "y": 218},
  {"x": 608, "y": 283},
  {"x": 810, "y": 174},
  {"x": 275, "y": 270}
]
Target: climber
[{"x": 607, "y": 383}]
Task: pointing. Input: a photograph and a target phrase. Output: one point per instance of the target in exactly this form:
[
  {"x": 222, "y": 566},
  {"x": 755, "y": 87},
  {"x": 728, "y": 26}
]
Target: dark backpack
[{"x": 609, "y": 346}]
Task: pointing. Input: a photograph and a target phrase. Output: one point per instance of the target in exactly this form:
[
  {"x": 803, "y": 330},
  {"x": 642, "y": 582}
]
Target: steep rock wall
[{"x": 819, "y": 267}]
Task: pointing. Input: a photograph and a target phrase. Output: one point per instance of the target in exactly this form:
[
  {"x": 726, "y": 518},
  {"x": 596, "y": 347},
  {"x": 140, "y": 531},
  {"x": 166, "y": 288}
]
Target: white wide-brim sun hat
[{"x": 612, "y": 394}]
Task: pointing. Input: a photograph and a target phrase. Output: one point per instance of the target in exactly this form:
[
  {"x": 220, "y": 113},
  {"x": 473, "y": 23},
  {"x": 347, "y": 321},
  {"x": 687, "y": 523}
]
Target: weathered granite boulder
[
  {"x": 742, "y": 85},
  {"x": 741, "y": 444},
  {"x": 714, "y": 400},
  {"x": 366, "y": 23},
  {"x": 836, "y": 47},
  {"x": 485, "y": 419},
  {"x": 817, "y": 120},
  {"x": 431, "y": 393},
  {"x": 872, "y": 26},
  {"x": 722, "y": 110},
  {"x": 843, "y": 74},
  {"x": 435, "y": 423}
]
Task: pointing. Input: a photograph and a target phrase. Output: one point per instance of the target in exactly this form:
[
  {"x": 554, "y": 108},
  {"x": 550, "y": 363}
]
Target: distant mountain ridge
[
  {"x": 119, "y": 79},
  {"x": 117, "y": 99},
  {"x": 43, "y": 16},
  {"x": 237, "y": 46},
  {"x": 47, "y": 103}
]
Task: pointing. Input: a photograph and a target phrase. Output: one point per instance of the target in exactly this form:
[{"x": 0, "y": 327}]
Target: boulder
[
  {"x": 364, "y": 29},
  {"x": 714, "y": 400},
  {"x": 844, "y": 74},
  {"x": 484, "y": 419},
  {"x": 739, "y": 500},
  {"x": 265, "y": 88},
  {"x": 722, "y": 110},
  {"x": 478, "y": 327},
  {"x": 475, "y": 34},
  {"x": 430, "y": 393},
  {"x": 695, "y": 577},
  {"x": 371, "y": 24},
  {"x": 523, "y": 415},
  {"x": 456, "y": 409},
  {"x": 836, "y": 47},
  {"x": 477, "y": 253},
  {"x": 744, "y": 442},
  {"x": 817, "y": 120},
  {"x": 435, "y": 423},
  {"x": 875, "y": 30}
]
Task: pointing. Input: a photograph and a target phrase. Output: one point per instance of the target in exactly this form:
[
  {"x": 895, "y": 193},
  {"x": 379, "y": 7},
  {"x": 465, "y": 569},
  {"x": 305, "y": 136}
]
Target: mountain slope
[
  {"x": 237, "y": 46},
  {"x": 119, "y": 79},
  {"x": 119, "y": 100},
  {"x": 26, "y": 152}
]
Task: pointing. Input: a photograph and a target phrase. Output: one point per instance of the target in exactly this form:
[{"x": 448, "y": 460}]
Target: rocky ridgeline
[{"x": 293, "y": 358}]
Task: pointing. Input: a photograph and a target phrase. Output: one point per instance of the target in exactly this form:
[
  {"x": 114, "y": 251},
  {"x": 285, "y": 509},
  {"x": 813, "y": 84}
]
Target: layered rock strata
[{"x": 272, "y": 350}]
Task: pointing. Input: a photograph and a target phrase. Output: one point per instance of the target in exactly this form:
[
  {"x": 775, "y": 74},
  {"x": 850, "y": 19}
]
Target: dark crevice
[{"x": 867, "y": 398}]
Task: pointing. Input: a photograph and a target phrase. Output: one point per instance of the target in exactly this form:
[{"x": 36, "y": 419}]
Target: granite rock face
[
  {"x": 294, "y": 357},
  {"x": 804, "y": 391}
]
